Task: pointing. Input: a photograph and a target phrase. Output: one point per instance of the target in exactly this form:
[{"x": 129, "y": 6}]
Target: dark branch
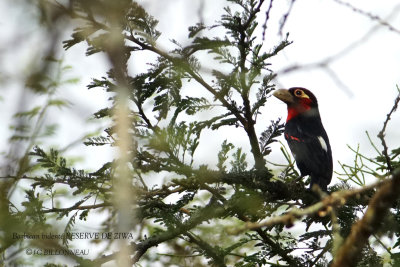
[
  {"x": 285, "y": 17},
  {"x": 369, "y": 15},
  {"x": 266, "y": 19},
  {"x": 381, "y": 134},
  {"x": 78, "y": 207}
]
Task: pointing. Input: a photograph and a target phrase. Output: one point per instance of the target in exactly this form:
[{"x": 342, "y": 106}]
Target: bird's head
[{"x": 299, "y": 101}]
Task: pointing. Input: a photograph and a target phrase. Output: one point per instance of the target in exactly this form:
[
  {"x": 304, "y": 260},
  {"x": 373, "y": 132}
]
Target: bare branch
[
  {"x": 285, "y": 17},
  {"x": 381, "y": 134},
  {"x": 369, "y": 15},
  {"x": 264, "y": 27},
  {"x": 78, "y": 207}
]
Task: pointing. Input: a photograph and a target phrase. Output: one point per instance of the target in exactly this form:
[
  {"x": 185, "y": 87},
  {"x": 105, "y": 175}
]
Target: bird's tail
[{"x": 320, "y": 181}]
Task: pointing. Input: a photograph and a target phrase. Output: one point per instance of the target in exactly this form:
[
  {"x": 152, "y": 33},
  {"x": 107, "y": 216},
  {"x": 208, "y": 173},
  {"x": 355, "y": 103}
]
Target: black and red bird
[{"x": 306, "y": 135}]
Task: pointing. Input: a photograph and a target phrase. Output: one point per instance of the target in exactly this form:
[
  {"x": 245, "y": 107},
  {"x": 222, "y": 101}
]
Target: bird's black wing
[{"x": 311, "y": 149}]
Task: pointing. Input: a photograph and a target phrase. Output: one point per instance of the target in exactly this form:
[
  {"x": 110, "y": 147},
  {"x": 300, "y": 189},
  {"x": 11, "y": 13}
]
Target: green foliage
[
  {"x": 33, "y": 205},
  {"x": 98, "y": 141},
  {"x": 223, "y": 155},
  {"x": 239, "y": 162},
  {"x": 269, "y": 136},
  {"x": 172, "y": 104}
]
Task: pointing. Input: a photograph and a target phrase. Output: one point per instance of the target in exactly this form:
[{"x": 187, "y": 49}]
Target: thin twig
[
  {"x": 77, "y": 207},
  {"x": 264, "y": 27},
  {"x": 381, "y": 134},
  {"x": 369, "y": 15},
  {"x": 285, "y": 17}
]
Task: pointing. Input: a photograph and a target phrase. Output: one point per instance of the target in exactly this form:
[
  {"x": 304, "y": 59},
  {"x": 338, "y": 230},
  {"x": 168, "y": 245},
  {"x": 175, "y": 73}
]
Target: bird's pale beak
[{"x": 284, "y": 95}]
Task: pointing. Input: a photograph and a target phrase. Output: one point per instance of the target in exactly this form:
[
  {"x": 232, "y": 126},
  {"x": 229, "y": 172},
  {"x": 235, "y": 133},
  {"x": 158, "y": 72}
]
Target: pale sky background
[{"x": 319, "y": 28}]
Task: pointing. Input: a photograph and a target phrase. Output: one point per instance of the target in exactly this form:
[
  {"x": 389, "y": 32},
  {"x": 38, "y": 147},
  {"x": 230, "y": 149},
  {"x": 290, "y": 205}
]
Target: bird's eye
[{"x": 298, "y": 92}]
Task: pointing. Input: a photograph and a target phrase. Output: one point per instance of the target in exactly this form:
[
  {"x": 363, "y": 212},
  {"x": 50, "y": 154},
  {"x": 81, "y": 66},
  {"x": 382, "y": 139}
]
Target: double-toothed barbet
[{"x": 306, "y": 135}]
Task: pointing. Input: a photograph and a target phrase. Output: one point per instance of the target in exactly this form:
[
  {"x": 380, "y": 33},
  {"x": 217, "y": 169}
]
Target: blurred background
[{"x": 346, "y": 53}]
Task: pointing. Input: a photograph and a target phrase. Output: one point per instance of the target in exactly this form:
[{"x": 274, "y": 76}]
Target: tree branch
[
  {"x": 243, "y": 46},
  {"x": 267, "y": 14},
  {"x": 334, "y": 200},
  {"x": 369, "y": 15},
  {"x": 181, "y": 62},
  {"x": 285, "y": 17},
  {"x": 77, "y": 207},
  {"x": 381, "y": 134},
  {"x": 387, "y": 195}
]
